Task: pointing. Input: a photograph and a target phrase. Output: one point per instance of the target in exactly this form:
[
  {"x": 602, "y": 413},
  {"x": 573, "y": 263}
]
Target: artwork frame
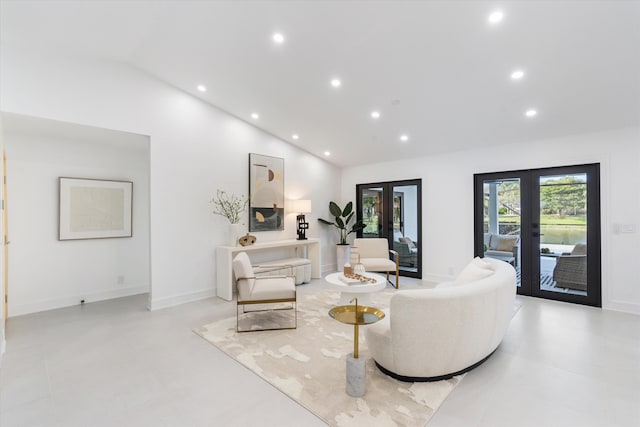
[
  {"x": 266, "y": 193},
  {"x": 94, "y": 208}
]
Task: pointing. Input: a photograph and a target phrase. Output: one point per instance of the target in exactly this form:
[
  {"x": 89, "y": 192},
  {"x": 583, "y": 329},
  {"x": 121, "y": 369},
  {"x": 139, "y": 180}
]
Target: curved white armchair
[
  {"x": 434, "y": 334},
  {"x": 374, "y": 255},
  {"x": 261, "y": 290}
]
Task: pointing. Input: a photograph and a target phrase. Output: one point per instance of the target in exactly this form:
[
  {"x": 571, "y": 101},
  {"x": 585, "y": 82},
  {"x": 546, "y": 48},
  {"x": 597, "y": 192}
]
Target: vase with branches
[{"x": 229, "y": 206}]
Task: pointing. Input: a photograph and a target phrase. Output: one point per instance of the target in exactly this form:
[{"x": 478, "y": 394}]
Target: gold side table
[{"x": 356, "y": 315}]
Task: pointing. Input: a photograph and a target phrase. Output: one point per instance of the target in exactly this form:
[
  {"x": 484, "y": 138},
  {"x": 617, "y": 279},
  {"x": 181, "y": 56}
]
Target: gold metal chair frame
[{"x": 294, "y": 307}]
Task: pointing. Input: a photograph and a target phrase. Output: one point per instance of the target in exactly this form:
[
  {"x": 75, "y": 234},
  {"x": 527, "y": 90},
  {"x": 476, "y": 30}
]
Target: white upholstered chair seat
[
  {"x": 267, "y": 288},
  {"x": 378, "y": 264},
  {"x": 261, "y": 290}
]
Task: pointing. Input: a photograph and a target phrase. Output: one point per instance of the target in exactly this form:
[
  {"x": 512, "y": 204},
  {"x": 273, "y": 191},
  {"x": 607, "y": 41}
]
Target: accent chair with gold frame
[
  {"x": 254, "y": 290},
  {"x": 375, "y": 256}
]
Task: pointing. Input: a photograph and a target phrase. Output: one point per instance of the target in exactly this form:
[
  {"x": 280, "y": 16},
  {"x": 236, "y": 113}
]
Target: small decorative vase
[
  {"x": 342, "y": 256},
  {"x": 247, "y": 240},
  {"x": 235, "y": 232}
]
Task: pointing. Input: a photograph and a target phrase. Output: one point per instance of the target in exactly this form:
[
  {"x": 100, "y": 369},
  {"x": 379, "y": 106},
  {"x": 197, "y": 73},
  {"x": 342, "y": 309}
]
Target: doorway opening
[
  {"x": 393, "y": 210},
  {"x": 546, "y": 224}
]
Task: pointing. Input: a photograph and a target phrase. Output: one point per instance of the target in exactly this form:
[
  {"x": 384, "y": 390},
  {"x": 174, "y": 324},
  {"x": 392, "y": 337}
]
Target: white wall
[
  {"x": 45, "y": 273},
  {"x": 2, "y": 336},
  {"x": 194, "y": 149},
  {"x": 447, "y": 200}
]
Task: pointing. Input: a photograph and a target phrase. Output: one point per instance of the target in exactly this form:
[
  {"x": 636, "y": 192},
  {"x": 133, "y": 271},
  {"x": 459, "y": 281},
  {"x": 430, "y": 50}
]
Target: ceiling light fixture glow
[
  {"x": 375, "y": 114},
  {"x": 278, "y": 38},
  {"x": 336, "y": 82},
  {"x": 295, "y": 136},
  {"x": 517, "y": 74},
  {"x": 404, "y": 138},
  {"x": 327, "y": 153},
  {"x": 202, "y": 88},
  {"x": 531, "y": 113},
  {"x": 496, "y": 17},
  {"x": 255, "y": 116}
]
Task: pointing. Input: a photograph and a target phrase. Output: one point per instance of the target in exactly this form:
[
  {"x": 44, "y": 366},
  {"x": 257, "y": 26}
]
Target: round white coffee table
[{"x": 360, "y": 290}]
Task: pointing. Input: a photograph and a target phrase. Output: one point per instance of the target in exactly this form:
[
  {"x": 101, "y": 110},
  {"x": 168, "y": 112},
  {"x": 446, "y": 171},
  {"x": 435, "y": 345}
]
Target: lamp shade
[{"x": 301, "y": 206}]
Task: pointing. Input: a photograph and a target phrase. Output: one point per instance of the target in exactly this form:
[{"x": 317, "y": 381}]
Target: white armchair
[
  {"x": 374, "y": 255},
  {"x": 262, "y": 290}
]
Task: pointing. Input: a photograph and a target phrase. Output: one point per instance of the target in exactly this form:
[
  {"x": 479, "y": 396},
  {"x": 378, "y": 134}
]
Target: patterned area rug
[{"x": 308, "y": 364}]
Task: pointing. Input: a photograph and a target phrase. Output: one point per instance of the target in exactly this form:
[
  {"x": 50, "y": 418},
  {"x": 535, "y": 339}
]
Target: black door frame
[
  {"x": 530, "y": 231},
  {"x": 387, "y": 215}
]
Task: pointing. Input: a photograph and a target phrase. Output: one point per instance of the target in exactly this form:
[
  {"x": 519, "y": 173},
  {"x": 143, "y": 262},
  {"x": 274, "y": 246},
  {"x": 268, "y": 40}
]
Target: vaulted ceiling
[{"x": 437, "y": 72}]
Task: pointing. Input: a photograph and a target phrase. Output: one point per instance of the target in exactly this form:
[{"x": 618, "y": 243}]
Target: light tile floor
[{"x": 114, "y": 363}]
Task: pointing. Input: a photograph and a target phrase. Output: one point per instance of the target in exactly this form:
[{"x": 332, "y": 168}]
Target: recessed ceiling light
[
  {"x": 336, "y": 82},
  {"x": 404, "y": 138},
  {"x": 517, "y": 74},
  {"x": 495, "y": 17},
  {"x": 531, "y": 113},
  {"x": 327, "y": 153},
  {"x": 375, "y": 114},
  {"x": 295, "y": 136},
  {"x": 255, "y": 116},
  {"x": 278, "y": 38},
  {"x": 202, "y": 88}
]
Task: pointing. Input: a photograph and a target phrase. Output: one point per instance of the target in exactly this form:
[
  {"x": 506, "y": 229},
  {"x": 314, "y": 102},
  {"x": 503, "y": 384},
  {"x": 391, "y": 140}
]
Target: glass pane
[
  {"x": 502, "y": 221},
  {"x": 372, "y": 212},
  {"x": 405, "y": 226},
  {"x": 563, "y": 233}
]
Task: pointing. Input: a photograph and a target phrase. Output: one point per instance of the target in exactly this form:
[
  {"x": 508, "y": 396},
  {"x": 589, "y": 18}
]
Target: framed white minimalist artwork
[{"x": 94, "y": 208}]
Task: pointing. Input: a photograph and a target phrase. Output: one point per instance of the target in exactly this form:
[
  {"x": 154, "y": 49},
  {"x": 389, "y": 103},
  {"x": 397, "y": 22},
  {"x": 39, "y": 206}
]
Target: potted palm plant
[{"x": 342, "y": 219}]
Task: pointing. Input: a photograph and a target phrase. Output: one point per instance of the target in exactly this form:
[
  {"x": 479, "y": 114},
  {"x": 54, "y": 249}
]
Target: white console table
[{"x": 225, "y": 255}]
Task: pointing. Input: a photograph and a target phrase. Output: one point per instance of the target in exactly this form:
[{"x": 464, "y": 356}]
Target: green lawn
[{"x": 547, "y": 219}]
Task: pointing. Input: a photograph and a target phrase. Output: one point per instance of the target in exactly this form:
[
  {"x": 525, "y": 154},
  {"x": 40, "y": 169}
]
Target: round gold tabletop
[{"x": 364, "y": 315}]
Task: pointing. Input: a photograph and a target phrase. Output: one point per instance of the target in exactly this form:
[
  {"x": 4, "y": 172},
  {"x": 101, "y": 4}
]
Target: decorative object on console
[
  {"x": 247, "y": 240},
  {"x": 94, "y": 208},
  {"x": 301, "y": 207},
  {"x": 266, "y": 193}
]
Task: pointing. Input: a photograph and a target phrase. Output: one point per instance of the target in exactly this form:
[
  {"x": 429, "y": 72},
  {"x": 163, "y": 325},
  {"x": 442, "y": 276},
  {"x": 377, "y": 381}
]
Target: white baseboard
[
  {"x": 621, "y": 306},
  {"x": 159, "y": 303},
  {"x": 68, "y": 301},
  {"x": 328, "y": 268}
]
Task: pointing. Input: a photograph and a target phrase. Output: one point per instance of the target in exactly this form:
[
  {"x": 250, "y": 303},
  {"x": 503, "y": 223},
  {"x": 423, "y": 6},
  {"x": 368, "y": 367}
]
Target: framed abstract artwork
[
  {"x": 94, "y": 208},
  {"x": 266, "y": 193}
]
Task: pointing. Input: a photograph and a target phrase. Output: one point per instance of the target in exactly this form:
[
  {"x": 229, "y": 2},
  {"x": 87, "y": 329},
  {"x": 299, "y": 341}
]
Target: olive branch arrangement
[{"x": 229, "y": 206}]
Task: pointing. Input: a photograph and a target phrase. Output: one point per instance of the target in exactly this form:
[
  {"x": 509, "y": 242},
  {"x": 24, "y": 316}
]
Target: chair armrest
[{"x": 395, "y": 255}]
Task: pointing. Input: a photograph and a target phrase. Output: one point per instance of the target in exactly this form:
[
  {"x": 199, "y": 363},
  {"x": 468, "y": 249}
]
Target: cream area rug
[{"x": 309, "y": 365}]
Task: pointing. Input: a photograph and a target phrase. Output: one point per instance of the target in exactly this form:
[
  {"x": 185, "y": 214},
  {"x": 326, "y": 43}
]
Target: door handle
[{"x": 536, "y": 234}]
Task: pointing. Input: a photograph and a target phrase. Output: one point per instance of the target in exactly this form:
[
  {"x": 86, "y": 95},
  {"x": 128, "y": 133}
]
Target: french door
[
  {"x": 393, "y": 210},
  {"x": 546, "y": 223}
]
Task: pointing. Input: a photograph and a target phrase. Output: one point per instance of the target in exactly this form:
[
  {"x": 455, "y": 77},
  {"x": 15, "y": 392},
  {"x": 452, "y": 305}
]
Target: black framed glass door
[
  {"x": 546, "y": 223},
  {"x": 392, "y": 210}
]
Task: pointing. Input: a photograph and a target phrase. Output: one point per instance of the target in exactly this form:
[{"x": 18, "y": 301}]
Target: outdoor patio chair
[{"x": 571, "y": 270}]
